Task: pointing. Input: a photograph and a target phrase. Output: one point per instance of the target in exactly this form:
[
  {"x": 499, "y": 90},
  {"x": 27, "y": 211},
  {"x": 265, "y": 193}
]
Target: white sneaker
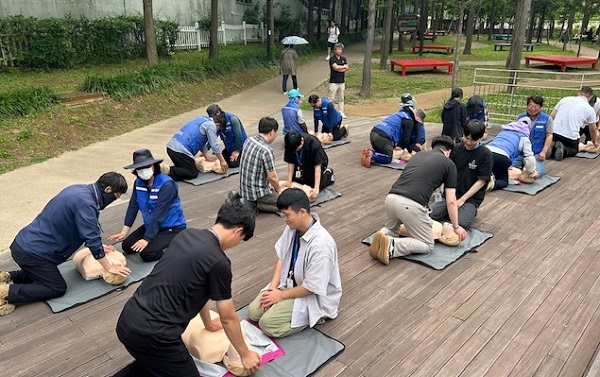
[
  {"x": 343, "y": 115},
  {"x": 327, "y": 58}
]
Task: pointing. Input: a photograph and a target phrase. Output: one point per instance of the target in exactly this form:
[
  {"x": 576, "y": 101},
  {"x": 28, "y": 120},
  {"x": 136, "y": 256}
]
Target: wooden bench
[
  {"x": 448, "y": 49},
  {"x": 411, "y": 63},
  {"x": 562, "y": 61},
  {"x": 429, "y": 36},
  {"x": 500, "y": 46},
  {"x": 498, "y": 37}
]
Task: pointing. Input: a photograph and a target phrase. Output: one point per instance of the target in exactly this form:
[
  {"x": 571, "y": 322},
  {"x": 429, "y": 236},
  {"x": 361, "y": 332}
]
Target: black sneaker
[
  {"x": 549, "y": 151},
  {"x": 559, "y": 154}
]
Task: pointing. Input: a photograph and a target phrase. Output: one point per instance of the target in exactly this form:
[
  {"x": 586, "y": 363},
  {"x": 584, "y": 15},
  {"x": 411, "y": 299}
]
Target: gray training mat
[
  {"x": 203, "y": 178},
  {"x": 80, "y": 291},
  {"x": 336, "y": 143},
  {"x": 443, "y": 255},
  {"x": 305, "y": 353},
  {"x": 587, "y": 155},
  {"x": 535, "y": 187},
  {"x": 325, "y": 195},
  {"x": 393, "y": 165}
]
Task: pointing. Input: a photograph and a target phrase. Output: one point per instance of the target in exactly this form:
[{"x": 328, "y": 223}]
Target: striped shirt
[{"x": 256, "y": 161}]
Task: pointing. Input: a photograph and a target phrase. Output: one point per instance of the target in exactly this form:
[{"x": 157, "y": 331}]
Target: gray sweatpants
[{"x": 415, "y": 217}]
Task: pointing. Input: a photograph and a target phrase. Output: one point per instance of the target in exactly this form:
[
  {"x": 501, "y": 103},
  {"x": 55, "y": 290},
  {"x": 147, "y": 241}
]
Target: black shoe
[
  {"x": 232, "y": 196},
  {"x": 549, "y": 151},
  {"x": 559, "y": 154}
]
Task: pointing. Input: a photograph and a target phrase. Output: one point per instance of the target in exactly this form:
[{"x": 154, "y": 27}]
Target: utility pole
[{"x": 270, "y": 25}]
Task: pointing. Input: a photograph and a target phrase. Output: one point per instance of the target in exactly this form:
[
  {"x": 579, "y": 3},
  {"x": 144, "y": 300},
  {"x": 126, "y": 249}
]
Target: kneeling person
[
  {"x": 306, "y": 287},
  {"x": 307, "y": 162},
  {"x": 406, "y": 204}
]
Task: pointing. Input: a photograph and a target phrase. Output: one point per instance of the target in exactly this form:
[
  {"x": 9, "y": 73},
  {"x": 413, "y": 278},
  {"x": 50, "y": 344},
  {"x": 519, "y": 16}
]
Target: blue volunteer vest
[
  {"x": 392, "y": 126},
  {"x": 323, "y": 116},
  {"x": 228, "y": 135},
  {"x": 508, "y": 141},
  {"x": 147, "y": 197},
  {"x": 189, "y": 135},
  {"x": 538, "y": 132},
  {"x": 289, "y": 112}
]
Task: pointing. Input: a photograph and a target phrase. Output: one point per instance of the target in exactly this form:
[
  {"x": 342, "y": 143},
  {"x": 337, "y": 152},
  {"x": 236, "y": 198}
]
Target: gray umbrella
[{"x": 294, "y": 40}]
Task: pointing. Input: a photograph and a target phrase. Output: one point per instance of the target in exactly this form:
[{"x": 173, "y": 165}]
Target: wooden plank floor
[{"x": 526, "y": 304}]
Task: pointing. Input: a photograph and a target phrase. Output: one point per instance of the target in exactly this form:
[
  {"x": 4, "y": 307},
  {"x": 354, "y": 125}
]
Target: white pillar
[{"x": 197, "y": 26}]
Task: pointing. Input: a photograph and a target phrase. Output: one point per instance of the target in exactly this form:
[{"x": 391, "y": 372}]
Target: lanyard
[
  {"x": 299, "y": 158},
  {"x": 295, "y": 252}
]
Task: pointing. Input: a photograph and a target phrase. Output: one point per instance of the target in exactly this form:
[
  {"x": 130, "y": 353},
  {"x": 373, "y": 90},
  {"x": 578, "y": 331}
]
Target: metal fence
[
  {"x": 192, "y": 37},
  {"x": 505, "y": 91}
]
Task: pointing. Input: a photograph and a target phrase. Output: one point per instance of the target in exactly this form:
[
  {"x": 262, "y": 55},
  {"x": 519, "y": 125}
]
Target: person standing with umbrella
[{"x": 288, "y": 66}]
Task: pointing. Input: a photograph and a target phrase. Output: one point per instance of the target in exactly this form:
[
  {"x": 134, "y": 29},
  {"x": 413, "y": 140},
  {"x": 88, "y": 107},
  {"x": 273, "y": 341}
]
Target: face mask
[
  {"x": 145, "y": 174},
  {"x": 107, "y": 198}
]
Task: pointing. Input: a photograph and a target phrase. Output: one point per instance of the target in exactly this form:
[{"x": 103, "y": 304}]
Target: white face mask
[{"x": 145, "y": 174}]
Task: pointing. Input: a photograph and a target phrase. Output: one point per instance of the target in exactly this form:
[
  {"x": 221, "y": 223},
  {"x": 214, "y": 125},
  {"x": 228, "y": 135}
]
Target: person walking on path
[
  {"x": 333, "y": 35},
  {"x": 288, "y": 67},
  {"x": 454, "y": 116},
  {"x": 338, "y": 66}
]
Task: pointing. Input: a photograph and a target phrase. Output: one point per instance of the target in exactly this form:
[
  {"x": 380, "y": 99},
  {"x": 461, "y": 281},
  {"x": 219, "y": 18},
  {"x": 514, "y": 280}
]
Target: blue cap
[{"x": 295, "y": 93}]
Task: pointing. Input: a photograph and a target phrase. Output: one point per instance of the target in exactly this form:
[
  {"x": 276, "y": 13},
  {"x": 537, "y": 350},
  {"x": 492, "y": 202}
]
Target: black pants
[
  {"x": 500, "y": 170},
  {"x": 382, "y": 144},
  {"x": 153, "y": 357},
  {"x": 156, "y": 248},
  {"x": 338, "y": 131},
  {"x": 231, "y": 164},
  {"x": 184, "y": 167},
  {"x": 571, "y": 146},
  {"x": 326, "y": 179},
  {"x": 37, "y": 280},
  {"x": 285, "y": 80},
  {"x": 585, "y": 131}
]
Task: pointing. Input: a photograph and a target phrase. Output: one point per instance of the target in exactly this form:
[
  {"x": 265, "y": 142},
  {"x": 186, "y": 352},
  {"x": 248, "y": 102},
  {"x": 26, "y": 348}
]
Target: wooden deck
[{"x": 526, "y": 304}]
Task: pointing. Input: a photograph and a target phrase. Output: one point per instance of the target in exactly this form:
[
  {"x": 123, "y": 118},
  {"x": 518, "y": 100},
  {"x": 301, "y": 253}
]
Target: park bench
[
  {"x": 429, "y": 36},
  {"x": 500, "y": 46},
  {"x": 411, "y": 63},
  {"x": 447, "y": 49},
  {"x": 498, "y": 37},
  {"x": 562, "y": 61}
]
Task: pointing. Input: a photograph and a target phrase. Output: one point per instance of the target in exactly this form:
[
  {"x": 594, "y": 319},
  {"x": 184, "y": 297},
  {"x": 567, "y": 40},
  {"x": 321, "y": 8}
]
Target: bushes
[
  {"x": 26, "y": 101},
  {"x": 66, "y": 43}
]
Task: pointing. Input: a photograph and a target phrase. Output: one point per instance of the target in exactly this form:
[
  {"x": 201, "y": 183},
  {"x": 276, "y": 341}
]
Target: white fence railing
[{"x": 191, "y": 37}]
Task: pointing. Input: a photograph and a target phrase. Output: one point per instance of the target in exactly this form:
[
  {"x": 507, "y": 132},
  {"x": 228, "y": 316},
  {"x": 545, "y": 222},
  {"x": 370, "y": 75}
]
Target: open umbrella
[{"x": 294, "y": 40}]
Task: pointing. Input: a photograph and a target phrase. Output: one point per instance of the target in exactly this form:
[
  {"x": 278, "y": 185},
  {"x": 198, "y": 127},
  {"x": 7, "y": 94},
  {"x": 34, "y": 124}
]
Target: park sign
[{"x": 408, "y": 23}]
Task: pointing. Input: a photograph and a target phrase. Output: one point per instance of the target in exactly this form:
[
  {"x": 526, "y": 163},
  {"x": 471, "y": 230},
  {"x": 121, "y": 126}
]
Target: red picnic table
[
  {"x": 562, "y": 60},
  {"x": 448, "y": 49},
  {"x": 411, "y": 63}
]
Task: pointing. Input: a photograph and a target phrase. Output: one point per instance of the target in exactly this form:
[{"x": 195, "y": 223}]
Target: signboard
[{"x": 408, "y": 23}]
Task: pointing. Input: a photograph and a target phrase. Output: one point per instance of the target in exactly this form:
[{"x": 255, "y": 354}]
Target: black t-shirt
[
  {"x": 335, "y": 76},
  {"x": 312, "y": 154},
  {"x": 425, "y": 172},
  {"x": 193, "y": 270},
  {"x": 472, "y": 165}
]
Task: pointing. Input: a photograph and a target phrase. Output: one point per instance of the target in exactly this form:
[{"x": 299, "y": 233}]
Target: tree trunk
[
  {"x": 470, "y": 28},
  {"x": 422, "y": 25},
  {"x": 343, "y": 24},
  {"x": 213, "y": 46},
  {"x": 461, "y": 16},
  {"x": 540, "y": 29},
  {"x": 385, "y": 40},
  {"x": 309, "y": 21},
  {"x": 491, "y": 21},
  {"x": 569, "y": 29},
  {"x": 319, "y": 20},
  {"x": 516, "y": 46},
  {"x": 332, "y": 10},
  {"x": 393, "y": 28},
  {"x": 149, "y": 34},
  {"x": 366, "y": 80},
  {"x": 270, "y": 30},
  {"x": 401, "y": 34}
]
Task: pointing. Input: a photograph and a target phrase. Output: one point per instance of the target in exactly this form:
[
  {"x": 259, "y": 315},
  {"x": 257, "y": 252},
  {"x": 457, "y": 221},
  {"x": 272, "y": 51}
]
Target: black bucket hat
[{"x": 142, "y": 158}]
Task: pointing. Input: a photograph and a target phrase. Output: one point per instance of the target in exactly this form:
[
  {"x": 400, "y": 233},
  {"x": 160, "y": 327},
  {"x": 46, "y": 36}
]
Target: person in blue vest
[
  {"x": 293, "y": 120},
  {"x": 512, "y": 142},
  {"x": 325, "y": 111},
  {"x": 195, "y": 136},
  {"x": 156, "y": 196},
  {"x": 403, "y": 129},
  {"x": 540, "y": 132},
  {"x": 233, "y": 135}
]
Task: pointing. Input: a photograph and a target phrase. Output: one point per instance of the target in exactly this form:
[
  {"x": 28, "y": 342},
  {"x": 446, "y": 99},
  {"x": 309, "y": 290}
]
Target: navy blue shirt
[{"x": 67, "y": 221}]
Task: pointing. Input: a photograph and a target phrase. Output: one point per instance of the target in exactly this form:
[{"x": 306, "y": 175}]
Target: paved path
[{"x": 25, "y": 191}]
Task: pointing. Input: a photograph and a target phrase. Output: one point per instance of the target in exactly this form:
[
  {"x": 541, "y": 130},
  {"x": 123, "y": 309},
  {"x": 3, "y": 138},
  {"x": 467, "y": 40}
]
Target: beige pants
[
  {"x": 400, "y": 210},
  {"x": 337, "y": 90},
  {"x": 275, "y": 322}
]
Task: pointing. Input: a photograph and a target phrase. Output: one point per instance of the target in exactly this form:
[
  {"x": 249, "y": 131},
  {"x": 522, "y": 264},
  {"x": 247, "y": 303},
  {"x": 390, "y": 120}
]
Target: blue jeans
[{"x": 539, "y": 165}]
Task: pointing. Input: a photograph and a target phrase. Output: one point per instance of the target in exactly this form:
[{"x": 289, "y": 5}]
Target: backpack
[{"x": 475, "y": 108}]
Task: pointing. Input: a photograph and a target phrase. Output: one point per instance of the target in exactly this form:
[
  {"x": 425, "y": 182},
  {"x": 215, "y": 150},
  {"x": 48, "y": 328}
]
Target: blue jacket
[
  {"x": 392, "y": 126},
  {"x": 290, "y": 117},
  {"x": 327, "y": 114},
  {"x": 538, "y": 132},
  {"x": 418, "y": 134},
  {"x": 508, "y": 141},
  {"x": 233, "y": 136},
  {"x": 68, "y": 220},
  {"x": 160, "y": 207},
  {"x": 190, "y": 137}
]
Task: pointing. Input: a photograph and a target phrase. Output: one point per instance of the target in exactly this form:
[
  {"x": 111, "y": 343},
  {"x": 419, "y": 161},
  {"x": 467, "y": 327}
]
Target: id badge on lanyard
[
  {"x": 299, "y": 165},
  {"x": 289, "y": 282}
]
